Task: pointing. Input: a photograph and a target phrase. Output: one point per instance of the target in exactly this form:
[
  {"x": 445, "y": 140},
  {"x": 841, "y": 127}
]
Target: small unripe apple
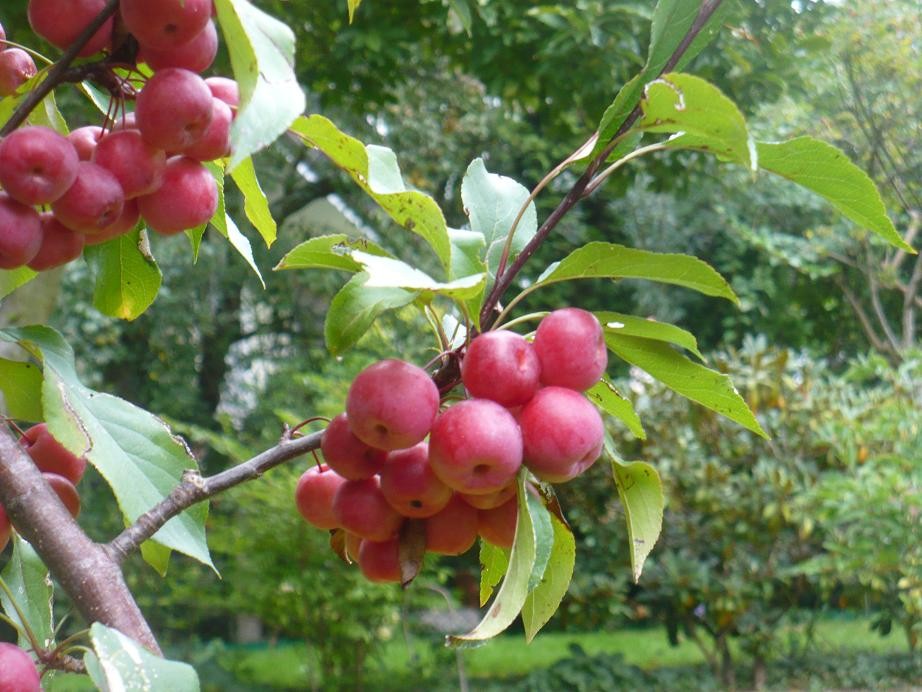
[
  {"x": 314, "y": 496},
  {"x": 475, "y": 447},
  {"x": 94, "y": 202},
  {"x": 195, "y": 55},
  {"x": 174, "y": 109},
  {"x": 453, "y": 530},
  {"x": 360, "y": 508},
  {"x": 391, "y": 404},
  {"x": 165, "y": 24},
  {"x": 60, "y": 244},
  {"x": 20, "y": 233},
  {"x": 138, "y": 166},
  {"x": 37, "y": 165},
  {"x": 16, "y": 68},
  {"x": 187, "y": 198},
  {"x": 18, "y": 672},
  {"x": 60, "y": 23},
  {"x": 570, "y": 344}
]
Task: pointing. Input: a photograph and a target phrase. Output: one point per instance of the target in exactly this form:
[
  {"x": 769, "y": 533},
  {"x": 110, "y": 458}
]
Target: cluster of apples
[
  {"x": 60, "y": 468},
  {"x": 18, "y": 672},
  {"x": 526, "y": 406},
  {"x": 61, "y": 193}
]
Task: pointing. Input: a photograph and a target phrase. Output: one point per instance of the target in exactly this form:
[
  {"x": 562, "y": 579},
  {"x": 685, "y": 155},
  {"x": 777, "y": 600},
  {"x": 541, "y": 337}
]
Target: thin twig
[{"x": 194, "y": 489}]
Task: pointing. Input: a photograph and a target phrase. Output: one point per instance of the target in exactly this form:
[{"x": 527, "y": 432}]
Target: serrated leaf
[
  {"x": 545, "y": 598},
  {"x": 612, "y": 261},
  {"x": 255, "y": 204},
  {"x": 827, "y": 171},
  {"x": 120, "y": 664},
  {"x": 262, "y": 51},
  {"x": 491, "y": 202},
  {"x": 415, "y": 211},
  {"x": 30, "y": 583},
  {"x": 386, "y": 272},
  {"x": 21, "y": 384},
  {"x": 355, "y": 308},
  {"x": 329, "y": 252},
  {"x": 133, "y": 450},
  {"x": 618, "y": 323},
  {"x": 707, "y": 120},
  {"x": 711, "y": 389},
  {"x": 11, "y": 279},
  {"x": 127, "y": 276},
  {"x": 494, "y": 561},
  {"x": 604, "y": 395},
  {"x": 641, "y": 493},
  {"x": 671, "y": 21},
  {"x": 514, "y": 590}
]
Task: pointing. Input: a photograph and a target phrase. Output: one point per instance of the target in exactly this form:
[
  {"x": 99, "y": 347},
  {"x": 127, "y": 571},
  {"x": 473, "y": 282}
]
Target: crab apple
[
  {"x": 215, "y": 142},
  {"x": 165, "y": 23},
  {"x": 475, "y": 447},
  {"x": 380, "y": 560},
  {"x": 314, "y": 496},
  {"x": 501, "y": 366},
  {"x": 16, "y": 68},
  {"x": 571, "y": 347},
  {"x": 391, "y": 404},
  {"x": 453, "y": 530},
  {"x": 497, "y": 525},
  {"x": 20, "y": 233},
  {"x": 187, "y": 198},
  {"x": 196, "y": 54},
  {"x": 17, "y": 670},
  {"x": 94, "y": 202},
  {"x": 490, "y": 500},
  {"x": 174, "y": 109},
  {"x": 409, "y": 484},
  {"x": 137, "y": 165},
  {"x": 348, "y": 455},
  {"x": 65, "y": 490},
  {"x": 562, "y": 432},
  {"x": 60, "y": 245},
  {"x": 126, "y": 221},
  {"x": 60, "y": 22},
  {"x": 37, "y": 165},
  {"x": 50, "y": 455},
  {"x": 85, "y": 140},
  {"x": 225, "y": 89},
  {"x": 360, "y": 507},
  {"x": 5, "y": 529}
]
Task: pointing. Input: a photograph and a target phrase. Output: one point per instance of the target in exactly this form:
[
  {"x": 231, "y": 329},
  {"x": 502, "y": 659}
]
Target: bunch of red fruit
[
  {"x": 526, "y": 406},
  {"x": 61, "y": 469},
  {"x": 62, "y": 193},
  {"x": 17, "y": 670}
]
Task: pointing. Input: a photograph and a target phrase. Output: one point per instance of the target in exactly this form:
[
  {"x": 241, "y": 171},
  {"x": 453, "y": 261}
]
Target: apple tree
[{"x": 426, "y": 457}]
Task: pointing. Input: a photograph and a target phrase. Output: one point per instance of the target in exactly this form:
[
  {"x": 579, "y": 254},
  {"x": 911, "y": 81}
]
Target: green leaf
[
  {"x": 618, "y": 323},
  {"x": 462, "y": 10},
  {"x": 28, "y": 580},
  {"x": 255, "y": 204},
  {"x": 12, "y": 279},
  {"x": 132, "y": 449},
  {"x": 412, "y": 210},
  {"x": 545, "y": 598},
  {"x": 671, "y": 21},
  {"x": 467, "y": 251},
  {"x": 386, "y": 272},
  {"x": 827, "y": 171},
  {"x": 604, "y": 395},
  {"x": 262, "y": 51},
  {"x": 707, "y": 120},
  {"x": 641, "y": 493},
  {"x": 612, "y": 261},
  {"x": 544, "y": 538},
  {"x": 21, "y": 384},
  {"x": 119, "y": 664},
  {"x": 242, "y": 245},
  {"x": 355, "y": 308},
  {"x": 492, "y": 202},
  {"x": 514, "y": 590},
  {"x": 329, "y": 252},
  {"x": 127, "y": 276},
  {"x": 353, "y": 6},
  {"x": 494, "y": 561},
  {"x": 711, "y": 389}
]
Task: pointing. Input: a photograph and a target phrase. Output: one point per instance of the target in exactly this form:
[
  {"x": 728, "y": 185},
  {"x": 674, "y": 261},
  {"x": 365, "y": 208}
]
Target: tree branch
[
  {"x": 194, "y": 489},
  {"x": 57, "y": 73},
  {"x": 488, "y": 314},
  {"x": 869, "y": 331},
  {"x": 909, "y": 308},
  {"x": 84, "y": 570}
]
